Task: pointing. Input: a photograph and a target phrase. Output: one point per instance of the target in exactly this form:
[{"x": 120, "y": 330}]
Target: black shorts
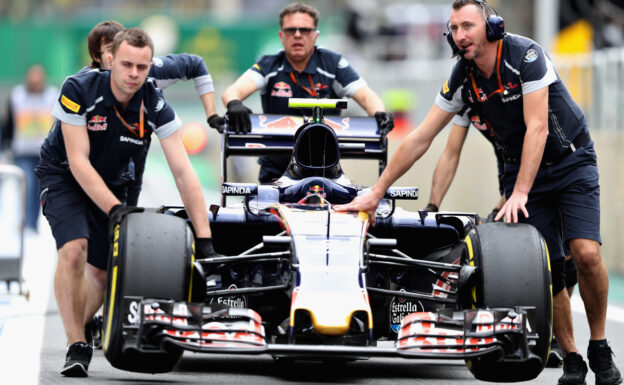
[
  {"x": 564, "y": 202},
  {"x": 73, "y": 215}
]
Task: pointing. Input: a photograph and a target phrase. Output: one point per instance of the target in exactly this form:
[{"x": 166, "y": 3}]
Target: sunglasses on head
[{"x": 302, "y": 30}]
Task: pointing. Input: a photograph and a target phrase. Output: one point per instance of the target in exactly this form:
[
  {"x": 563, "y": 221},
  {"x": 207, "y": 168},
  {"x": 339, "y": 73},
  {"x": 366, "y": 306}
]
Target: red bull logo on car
[
  {"x": 292, "y": 123},
  {"x": 316, "y": 190},
  {"x": 282, "y": 90}
]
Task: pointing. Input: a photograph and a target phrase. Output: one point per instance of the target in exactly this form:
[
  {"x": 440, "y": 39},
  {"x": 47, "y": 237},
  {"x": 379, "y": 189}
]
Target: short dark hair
[
  {"x": 136, "y": 37},
  {"x": 102, "y": 33},
  {"x": 487, "y": 8},
  {"x": 299, "y": 8}
]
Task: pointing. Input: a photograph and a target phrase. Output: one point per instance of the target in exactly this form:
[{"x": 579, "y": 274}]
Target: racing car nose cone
[{"x": 332, "y": 315}]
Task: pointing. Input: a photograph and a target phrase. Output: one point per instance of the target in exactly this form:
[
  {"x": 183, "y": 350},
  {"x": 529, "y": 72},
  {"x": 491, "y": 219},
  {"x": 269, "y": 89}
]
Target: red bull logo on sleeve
[
  {"x": 97, "y": 123},
  {"x": 282, "y": 90}
]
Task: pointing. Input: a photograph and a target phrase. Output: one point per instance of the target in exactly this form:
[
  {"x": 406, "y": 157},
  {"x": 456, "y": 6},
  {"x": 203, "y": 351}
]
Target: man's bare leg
[{"x": 70, "y": 289}]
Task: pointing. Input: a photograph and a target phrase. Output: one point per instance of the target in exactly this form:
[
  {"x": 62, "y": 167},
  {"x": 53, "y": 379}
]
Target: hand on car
[
  {"x": 385, "y": 121},
  {"x": 204, "y": 248},
  {"x": 517, "y": 201},
  {"x": 432, "y": 208},
  {"x": 366, "y": 202},
  {"x": 238, "y": 117},
  {"x": 118, "y": 212},
  {"x": 217, "y": 122}
]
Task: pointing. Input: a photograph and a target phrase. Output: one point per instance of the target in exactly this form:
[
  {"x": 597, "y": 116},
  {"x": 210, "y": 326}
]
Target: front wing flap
[{"x": 503, "y": 332}]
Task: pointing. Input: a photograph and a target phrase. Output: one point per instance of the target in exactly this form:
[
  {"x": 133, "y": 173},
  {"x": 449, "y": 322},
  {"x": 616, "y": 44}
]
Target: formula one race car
[{"x": 299, "y": 280}]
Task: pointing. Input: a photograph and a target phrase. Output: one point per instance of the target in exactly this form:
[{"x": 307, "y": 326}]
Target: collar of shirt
[
  {"x": 310, "y": 67},
  {"x": 110, "y": 101}
]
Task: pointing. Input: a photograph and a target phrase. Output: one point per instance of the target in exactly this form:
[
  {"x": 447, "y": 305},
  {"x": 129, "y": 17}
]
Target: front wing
[{"x": 448, "y": 334}]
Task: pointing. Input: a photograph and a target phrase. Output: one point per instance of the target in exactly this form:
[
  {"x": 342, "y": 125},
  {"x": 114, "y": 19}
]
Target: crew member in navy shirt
[
  {"x": 165, "y": 71},
  {"x": 300, "y": 70},
  {"x": 550, "y": 170},
  {"x": 104, "y": 120}
]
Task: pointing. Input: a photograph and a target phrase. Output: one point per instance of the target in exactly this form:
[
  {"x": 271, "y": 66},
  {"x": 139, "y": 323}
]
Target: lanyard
[
  {"x": 500, "y": 89},
  {"x": 129, "y": 127},
  {"x": 312, "y": 91}
]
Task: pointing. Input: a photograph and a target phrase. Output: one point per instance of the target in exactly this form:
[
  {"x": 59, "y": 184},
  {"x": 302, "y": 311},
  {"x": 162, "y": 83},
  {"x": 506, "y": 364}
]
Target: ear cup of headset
[
  {"x": 451, "y": 42},
  {"x": 495, "y": 28}
]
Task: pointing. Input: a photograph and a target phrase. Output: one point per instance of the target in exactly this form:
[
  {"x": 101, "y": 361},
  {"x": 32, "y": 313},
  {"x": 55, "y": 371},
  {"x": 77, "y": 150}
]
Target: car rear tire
[
  {"x": 513, "y": 270},
  {"x": 151, "y": 258}
]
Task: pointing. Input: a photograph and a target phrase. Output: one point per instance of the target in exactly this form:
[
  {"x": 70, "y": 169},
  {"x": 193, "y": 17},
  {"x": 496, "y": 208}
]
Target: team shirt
[
  {"x": 524, "y": 68},
  {"x": 332, "y": 76},
  {"x": 86, "y": 99}
]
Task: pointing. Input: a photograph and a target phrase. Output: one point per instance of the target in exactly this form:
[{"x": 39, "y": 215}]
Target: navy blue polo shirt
[
  {"x": 170, "y": 69},
  {"x": 464, "y": 118},
  {"x": 332, "y": 76},
  {"x": 86, "y": 99},
  {"x": 524, "y": 68}
]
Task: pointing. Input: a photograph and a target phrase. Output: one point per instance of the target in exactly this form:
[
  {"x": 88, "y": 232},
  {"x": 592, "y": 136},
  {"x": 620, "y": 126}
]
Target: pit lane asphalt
[{"x": 25, "y": 360}]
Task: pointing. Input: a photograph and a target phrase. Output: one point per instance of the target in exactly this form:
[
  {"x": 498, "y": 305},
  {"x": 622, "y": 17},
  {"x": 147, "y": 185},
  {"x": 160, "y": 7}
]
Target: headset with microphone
[{"x": 494, "y": 28}]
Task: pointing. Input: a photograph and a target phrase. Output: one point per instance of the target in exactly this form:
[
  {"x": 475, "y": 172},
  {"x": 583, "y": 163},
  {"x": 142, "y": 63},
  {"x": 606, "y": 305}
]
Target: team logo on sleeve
[
  {"x": 71, "y": 105},
  {"x": 160, "y": 104},
  {"x": 282, "y": 89},
  {"x": 158, "y": 62},
  {"x": 530, "y": 56},
  {"x": 256, "y": 66},
  {"x": 343, "y": 63},
  {"x": 445, "y": 87}
]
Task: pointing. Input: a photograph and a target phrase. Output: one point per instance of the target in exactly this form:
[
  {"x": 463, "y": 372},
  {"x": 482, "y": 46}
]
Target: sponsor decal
[
  {"x": 445, "y": 88},
  {"x": 511, "y": 86},
  {"x": 97, "y": 123},
  {"x": 343, "y": 63},
  {"x": 71, "y": 105},
  {"x": 255, "y": 145},
  {"x": 239, "y": 302},
  {"x": 285, "y": 122},
  {"x": 511, "y": 98},
  {"x": 403, "y": 193},
  {"x": 126, "y": 139},
  {"x": 316, "y": 190},
  {"x": 530, "y": 56},
  {"x": 476, "y": 121},
  {"x": 158, "y": 62},
  {"x": 133, "y": 313},
  {"x": 238, "y": 190},
  {"x": 291, "y": 123},
  {"x": 336, "y": 126},
  {"x": 282, "y": 90},
  {"x": 401, "y": 307},
  {"x": 160, "y": 104}
]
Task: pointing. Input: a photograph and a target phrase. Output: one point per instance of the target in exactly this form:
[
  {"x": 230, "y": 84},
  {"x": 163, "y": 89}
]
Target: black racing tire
[
  {"x": 151, "y": 257},
  {"x": 513, "y": 270}
]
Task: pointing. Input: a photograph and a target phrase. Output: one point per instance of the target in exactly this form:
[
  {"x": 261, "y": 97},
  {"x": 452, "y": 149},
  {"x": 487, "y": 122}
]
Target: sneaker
[
  {"x": 77, "y": 360},
  {"x": 574, "y": 370},
  {"x": 555, "y": 357},
  {"x": 93, "y": 332},
  {"x": 601, "y": 363}
]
